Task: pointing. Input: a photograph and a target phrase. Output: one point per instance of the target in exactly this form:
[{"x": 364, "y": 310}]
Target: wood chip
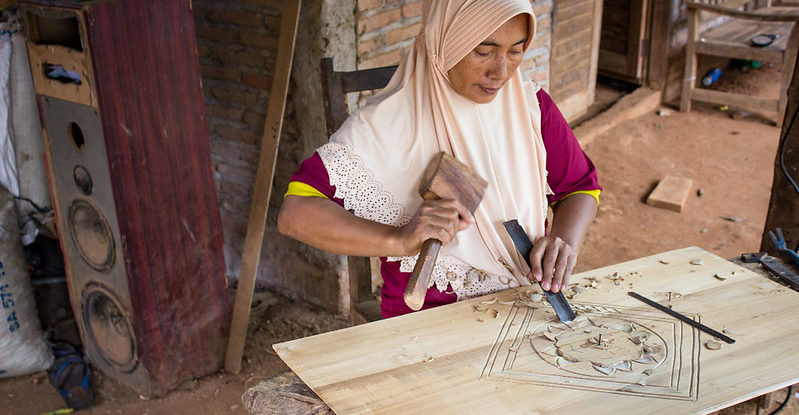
[
  {"x": 536, "y": 297},
  {"x": 698, "y": 261},
  {"x": 490, "y": 301},
  {"x": 713, "y": 345},
  {"x": 663, "y": 261},
  {"x": 719, "y": 276}
]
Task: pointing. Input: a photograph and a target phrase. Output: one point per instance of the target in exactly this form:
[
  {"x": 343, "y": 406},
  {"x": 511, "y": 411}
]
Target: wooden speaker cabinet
[{"x": 119, "y": 92}]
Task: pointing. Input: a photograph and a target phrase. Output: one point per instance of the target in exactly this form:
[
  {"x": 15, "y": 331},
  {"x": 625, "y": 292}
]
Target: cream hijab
[{"x": 377, "y": 157}]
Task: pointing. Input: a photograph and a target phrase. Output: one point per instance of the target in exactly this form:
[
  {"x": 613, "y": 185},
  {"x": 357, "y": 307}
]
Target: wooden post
[
  {"x": 783, "y": 210},
  {"x": 659, "y": 31},
  {"x": 689, "y": 78},
  {"x": 263, "y": 186}
]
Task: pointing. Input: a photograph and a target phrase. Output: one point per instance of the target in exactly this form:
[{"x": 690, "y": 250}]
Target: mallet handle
[{"x": 420, "y": 278}]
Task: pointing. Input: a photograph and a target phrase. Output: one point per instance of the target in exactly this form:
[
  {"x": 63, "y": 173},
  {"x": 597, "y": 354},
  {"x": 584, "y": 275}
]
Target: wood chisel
[{"x": 525, "y": 247}]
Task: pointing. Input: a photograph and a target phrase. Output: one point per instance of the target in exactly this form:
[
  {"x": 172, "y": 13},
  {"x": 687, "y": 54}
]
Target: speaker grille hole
[
  {"x": 92, "y": 235},
  {"x": 83, "y": 179},
  {"x": 108, "y": 329},
  {"x": 76, "y": 136}
]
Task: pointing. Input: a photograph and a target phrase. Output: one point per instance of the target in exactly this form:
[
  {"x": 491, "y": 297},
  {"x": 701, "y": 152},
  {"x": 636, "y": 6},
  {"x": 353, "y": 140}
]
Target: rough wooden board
[
  {"x": 436, "y": 360},
  {"x": 671, "y": 193}
]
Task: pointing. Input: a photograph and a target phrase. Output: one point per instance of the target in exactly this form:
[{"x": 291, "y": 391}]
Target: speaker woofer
[
  {"x": 92, "y": 235},
  {"x": 108, "y": 328}
]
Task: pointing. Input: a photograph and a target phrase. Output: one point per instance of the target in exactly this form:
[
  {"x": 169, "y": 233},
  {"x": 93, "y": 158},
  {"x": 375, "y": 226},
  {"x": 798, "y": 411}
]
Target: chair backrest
[{"x": 336, "y": 86}]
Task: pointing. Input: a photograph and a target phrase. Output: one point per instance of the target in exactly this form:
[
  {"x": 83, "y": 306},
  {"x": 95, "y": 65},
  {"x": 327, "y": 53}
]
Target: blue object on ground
[{"x": 711, "y": 76}]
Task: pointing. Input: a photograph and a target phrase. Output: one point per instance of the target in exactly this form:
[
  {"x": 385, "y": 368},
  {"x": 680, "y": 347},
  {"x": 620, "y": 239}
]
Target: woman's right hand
[{"x": 436, "y": 219}]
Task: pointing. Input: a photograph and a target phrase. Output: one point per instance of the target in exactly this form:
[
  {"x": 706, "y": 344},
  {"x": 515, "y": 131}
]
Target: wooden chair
[
  {"x": 361, "y": 271},
  {"x": 732, "y": 39}
]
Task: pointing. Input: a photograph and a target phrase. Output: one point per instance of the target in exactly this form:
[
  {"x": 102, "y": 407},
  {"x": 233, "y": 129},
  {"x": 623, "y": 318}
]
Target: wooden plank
[
  {"x": 459, "y": 358},
  {"x": 671, "y": 193},
  {"x": 263, "y": 186},
  {"x": 738, "y": 51},
  {"x": 743, "y": 102}
]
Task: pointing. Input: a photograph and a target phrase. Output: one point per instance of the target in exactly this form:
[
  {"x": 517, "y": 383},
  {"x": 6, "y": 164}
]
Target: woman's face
[{"x": 480, "y": 74}]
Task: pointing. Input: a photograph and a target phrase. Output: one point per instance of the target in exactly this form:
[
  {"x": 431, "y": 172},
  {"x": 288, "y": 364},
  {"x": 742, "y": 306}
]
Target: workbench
[{"x": 508, "y": 353}]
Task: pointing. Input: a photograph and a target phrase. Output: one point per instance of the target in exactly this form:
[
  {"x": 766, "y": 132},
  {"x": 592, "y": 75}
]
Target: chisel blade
[{"x": 525, "y": 246}]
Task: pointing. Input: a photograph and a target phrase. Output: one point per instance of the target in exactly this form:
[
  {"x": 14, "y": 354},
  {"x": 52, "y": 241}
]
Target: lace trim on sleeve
[{"x": 356, "y": 186}]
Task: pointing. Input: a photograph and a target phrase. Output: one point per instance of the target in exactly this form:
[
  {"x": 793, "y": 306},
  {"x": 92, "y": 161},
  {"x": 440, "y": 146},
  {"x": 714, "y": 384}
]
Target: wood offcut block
[{"x": 671, "y": 193}]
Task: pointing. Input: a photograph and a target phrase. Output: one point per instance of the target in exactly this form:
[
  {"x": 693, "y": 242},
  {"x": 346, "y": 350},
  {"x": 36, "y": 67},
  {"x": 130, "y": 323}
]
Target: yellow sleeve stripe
[
  {"x": 302, "y": 189},
  {"x": 593, "y": 193}
]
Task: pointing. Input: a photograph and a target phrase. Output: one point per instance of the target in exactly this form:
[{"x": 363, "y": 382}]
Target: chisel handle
[{"x": 420, "y": 277}]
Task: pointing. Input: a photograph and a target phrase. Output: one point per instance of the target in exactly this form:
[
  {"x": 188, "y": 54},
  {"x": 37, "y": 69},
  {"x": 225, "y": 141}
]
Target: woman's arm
[
  {"x": 555, "y": 255},
  {"x": 325, "y": 225}
]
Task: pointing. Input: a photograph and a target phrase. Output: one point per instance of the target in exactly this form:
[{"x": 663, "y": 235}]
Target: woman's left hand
[
  {"x": 554, "y": 256},
  {"x": 552, "y": 262}
]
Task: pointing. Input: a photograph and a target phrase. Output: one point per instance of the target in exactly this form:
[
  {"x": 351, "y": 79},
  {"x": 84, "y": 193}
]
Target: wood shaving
[
  {"x": 428, "y": 359},
  {"x": 508, "y": 302},
  {"x": 648, "y": 372},
  {"x": 663, "y": 261},
  {"x": 713, "y": 345},
  {"x": 728, "y": 331},
  {"x": 494, "y": 313},
  {"x": 536, "y": 297},
  {"x": 491, "y": 301},
  {"x": 698, "y": 261},
  {"x": 719, "y": 276}
]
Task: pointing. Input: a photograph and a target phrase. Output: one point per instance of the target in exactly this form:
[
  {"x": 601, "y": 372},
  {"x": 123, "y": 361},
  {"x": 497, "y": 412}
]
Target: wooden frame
[{"x": 704, "y": 43}]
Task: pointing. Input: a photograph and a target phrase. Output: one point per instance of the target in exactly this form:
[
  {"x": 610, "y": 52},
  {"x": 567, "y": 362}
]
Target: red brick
[
  {"x": 366, "y": 47},
  {"x": 238, "y": 57},
  {"x": 257, "y": 119},
  {"x": 237, "y": 174},
  {"x": 202, "y": 50},
  {"x": 272, "y": 23},
  {"x": 258, "y": 40},
  {"x": 379, "y": 20},
  {"x": 224, "y": 111},
  {"x": 220, "y": 73},
  {"x": 385, "y": 59},
  {"x": 235, "y": 17},
  {"x": 225, "y": 94},
  {"x": 412, "y": 9},
  {"x": 403, "y": 33},
  {"x": 276, "y": 5},
  {"x": 364, "y": 5},
  {"x": 244, "y": 135},
  {"x": 256, "y": 80},
  {"x": 216, "y": 34}
]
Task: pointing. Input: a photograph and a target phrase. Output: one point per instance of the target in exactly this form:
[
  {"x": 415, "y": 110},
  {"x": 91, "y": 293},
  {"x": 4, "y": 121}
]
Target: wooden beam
[
  {"x": 744, "y": 102},
  {"x": 263, "y": 186},
  {"x": 659, "y": 30}
]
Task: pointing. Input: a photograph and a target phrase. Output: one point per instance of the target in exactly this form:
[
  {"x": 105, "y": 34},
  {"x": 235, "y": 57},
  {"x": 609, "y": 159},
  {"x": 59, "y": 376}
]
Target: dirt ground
[{"x": 729, "y": 160}]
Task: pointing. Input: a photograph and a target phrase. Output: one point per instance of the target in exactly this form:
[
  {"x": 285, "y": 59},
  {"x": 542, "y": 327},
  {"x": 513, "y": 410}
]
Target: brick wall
[
  {"x": 385, "y": 30},
  {"x": 237, "y": 43}
]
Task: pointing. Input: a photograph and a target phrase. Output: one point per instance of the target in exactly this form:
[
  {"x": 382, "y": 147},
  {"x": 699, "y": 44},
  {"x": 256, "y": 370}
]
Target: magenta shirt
[{"x": 569, "y": 168}]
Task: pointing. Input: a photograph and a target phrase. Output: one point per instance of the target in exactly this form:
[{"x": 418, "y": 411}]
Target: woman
[{"x": 459, "y": 90}]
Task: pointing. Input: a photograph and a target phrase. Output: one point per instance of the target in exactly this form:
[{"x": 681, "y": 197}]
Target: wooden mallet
[{"x": 444, "y": 178}]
